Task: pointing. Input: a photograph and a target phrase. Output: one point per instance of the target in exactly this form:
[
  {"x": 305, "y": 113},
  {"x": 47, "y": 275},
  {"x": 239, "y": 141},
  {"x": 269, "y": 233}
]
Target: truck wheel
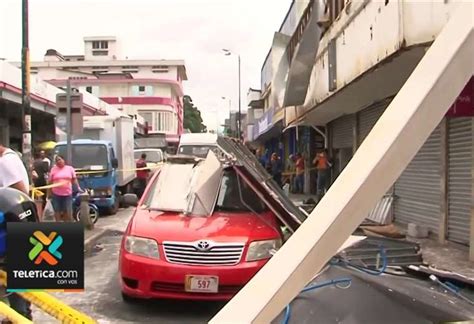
[{"x": 114, "y": 209}]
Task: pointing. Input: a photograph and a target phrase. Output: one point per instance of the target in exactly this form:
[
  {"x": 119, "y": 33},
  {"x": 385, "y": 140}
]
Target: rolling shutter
[
  {"x": 418, "y": 189},
  {"x": 459, "y": 178},
  {"x": 341, "y": 132},
  {"x": 367, "y": 119}
]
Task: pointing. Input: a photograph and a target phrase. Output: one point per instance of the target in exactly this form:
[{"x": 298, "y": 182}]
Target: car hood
[{"x": 220, "y": 227}]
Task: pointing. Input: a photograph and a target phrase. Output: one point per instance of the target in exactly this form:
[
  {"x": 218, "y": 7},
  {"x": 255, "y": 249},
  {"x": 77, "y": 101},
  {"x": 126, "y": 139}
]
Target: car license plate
[{"x": 202, "y": 284}]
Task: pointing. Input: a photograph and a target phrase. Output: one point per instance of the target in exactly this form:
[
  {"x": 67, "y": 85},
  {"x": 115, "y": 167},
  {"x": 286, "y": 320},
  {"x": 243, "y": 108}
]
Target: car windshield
[
  {"x": 196, "y": 150},
  {"x": 86, "y": 156},
  {"x": 236, "y": 195},
  {"x": 172, "y": 190},
  {"x": 151, "y": 156}
]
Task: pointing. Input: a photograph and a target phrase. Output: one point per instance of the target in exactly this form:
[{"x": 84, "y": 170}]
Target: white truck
[{"x": 197, "y": 144}]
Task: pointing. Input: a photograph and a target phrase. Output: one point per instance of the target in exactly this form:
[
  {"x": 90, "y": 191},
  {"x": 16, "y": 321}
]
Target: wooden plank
[{"x": 393, "y": 142}]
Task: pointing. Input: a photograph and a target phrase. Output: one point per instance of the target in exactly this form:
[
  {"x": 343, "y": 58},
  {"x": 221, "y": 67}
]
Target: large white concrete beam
[{"x": 398, "y": 135}]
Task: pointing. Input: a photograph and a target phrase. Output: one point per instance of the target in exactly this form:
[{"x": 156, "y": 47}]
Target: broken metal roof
[{"x": 250, "y": 169}]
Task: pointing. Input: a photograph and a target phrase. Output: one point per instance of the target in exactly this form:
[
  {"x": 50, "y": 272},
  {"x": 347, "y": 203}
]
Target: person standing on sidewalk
[
  {"x": 142, "y": 176},
  {"x": 276, "y": 168},
  {"x": 13, "y": 174},
  {"x": 40, "y": 175},
  {"x": 323, "y": 166},
  {"x": 64, "y": 176},
  {"x": 299, "y": 177}
]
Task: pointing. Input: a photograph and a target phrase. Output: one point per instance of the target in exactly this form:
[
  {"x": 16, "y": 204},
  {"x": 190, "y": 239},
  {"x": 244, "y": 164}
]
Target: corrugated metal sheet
[
  {"x": 367, "y": 119},
  {"x": 418, "y": 190},
  {"x": 459, "y": 178},
  {"x": 341, "y": 132},
  {"x": 246, "y": 163},
  {"x": 381, "y": 213}
]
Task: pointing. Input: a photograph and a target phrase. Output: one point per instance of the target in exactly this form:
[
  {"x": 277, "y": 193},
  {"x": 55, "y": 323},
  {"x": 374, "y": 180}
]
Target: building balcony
[{"x": 366, "y": 52}]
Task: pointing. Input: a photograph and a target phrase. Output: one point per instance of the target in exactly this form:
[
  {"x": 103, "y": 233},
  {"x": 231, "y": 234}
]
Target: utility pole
[
  {"x": 25, "y": 89},
  {"x": 238, "y": 122},
  {"x": 239, "y": 117},
  {"x": 68, "y": 123}
]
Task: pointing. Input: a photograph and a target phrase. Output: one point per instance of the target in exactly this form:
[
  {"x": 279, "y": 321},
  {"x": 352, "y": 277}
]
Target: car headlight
[
  {"x": 142, "y": 246},
  {"x": 259, "y": 250}
]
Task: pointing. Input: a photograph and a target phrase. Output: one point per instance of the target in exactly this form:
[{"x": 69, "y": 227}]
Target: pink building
[{"x": 150, "y": 88}]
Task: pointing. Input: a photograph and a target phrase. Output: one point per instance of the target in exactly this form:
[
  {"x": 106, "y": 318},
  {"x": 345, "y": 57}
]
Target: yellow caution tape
[
  {"x": 12, "y": 315},
  {"x": 157, "y": 166},
  {"x": 36, "y": 191},
  {"x": 52, "y": 306}
]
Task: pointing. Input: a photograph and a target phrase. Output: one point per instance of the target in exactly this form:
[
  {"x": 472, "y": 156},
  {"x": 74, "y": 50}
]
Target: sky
[{"x": 193, "y": 30}]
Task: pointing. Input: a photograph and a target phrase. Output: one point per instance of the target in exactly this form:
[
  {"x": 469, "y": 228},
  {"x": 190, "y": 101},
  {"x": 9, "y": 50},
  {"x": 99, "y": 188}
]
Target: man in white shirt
[
  {"x": 13, "y": 174},
  {"x": 12, "y": 171}
]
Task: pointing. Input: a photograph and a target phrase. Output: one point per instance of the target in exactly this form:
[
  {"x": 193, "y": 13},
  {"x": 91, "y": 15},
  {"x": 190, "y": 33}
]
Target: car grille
[{"x": 218, "y": 254}]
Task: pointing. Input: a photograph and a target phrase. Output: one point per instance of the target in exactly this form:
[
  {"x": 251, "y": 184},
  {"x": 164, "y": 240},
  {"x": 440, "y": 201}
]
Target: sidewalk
[
  {"x": 116, "y": 222},
  {"x": 105, "y": 224},
  {"x": 447, "y": 257}
]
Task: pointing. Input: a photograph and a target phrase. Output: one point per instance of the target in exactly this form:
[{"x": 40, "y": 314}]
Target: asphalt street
[{"x": 102, "y": 299}]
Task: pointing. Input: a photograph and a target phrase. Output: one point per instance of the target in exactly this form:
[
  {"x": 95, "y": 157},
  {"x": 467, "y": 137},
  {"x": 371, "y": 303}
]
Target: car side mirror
[
  {"x": 115, "y": 163},
  {"x": 130, "y": 200}
]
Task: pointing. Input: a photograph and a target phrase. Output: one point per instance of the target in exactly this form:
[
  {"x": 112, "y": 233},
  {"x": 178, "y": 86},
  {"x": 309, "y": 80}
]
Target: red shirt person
[{"x": 142, "y": 175}]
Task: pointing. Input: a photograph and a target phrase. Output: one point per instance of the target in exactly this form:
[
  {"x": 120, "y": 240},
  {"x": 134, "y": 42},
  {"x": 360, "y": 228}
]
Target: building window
[
  {"x": 159, "y": 69},
  {"x": 100, "y": 45},
  {"x": 161, "y": 121},
  {"x": 129, "y": 69},
  {"x": 100, "y": 69},
  {"x": 141, "y": 89},
  {"x": 100, "y": 53}
]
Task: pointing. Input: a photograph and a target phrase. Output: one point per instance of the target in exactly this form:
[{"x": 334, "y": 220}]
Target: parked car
[{"x": 199, "y": 232}]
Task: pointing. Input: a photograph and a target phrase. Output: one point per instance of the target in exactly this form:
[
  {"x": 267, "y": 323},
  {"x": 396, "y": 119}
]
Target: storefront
[{"x": 437, "y": 185}]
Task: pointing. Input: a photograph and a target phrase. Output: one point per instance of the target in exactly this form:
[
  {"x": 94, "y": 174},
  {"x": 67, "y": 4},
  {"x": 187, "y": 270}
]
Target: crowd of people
[{"x": 294, "y": 174}]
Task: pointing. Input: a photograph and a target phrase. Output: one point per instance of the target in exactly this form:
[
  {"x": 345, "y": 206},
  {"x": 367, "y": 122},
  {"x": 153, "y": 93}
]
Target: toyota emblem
[{"x": 203, "y": 245}]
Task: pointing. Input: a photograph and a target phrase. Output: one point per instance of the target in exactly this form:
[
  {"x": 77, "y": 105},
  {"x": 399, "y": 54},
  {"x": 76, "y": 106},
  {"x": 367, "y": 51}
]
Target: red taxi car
[{"x": 206, "y": 252}]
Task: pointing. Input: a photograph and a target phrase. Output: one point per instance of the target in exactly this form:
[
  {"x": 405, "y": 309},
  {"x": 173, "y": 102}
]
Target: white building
[{"x": 150, "y": 88}]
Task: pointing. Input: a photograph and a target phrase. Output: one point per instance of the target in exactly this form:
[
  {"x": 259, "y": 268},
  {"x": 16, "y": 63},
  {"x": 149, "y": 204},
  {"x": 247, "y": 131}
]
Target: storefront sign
[
  {"x": 264, "y": 123},
  {"x": 464, "y": 104}
]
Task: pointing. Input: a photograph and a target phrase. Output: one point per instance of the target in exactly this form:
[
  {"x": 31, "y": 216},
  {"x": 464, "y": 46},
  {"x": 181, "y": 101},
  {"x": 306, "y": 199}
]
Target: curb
[{"x": 92, "y": 240}]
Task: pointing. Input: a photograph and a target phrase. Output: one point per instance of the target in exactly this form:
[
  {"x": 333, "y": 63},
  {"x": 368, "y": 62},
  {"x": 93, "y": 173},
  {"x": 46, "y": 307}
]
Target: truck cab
[{"x": 197, "y": 144}]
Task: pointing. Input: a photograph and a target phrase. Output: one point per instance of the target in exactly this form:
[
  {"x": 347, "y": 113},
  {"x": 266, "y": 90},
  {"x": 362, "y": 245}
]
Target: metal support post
[
  {"x": 25, "y": 90},
  {"x": 85, "y": 215}
]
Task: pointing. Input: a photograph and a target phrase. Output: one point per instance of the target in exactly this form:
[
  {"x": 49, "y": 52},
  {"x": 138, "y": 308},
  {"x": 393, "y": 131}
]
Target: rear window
[
  {"x": 196, "y": 150},
  {"x": 236, "y": 195},
  {"x": 151, "y": 156}
]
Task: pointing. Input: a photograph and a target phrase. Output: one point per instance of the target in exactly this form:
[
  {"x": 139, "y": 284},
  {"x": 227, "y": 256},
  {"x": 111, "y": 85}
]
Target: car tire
[{"x": 128, "y": 299}]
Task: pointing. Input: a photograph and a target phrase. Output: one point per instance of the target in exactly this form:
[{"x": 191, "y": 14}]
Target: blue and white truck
[{"x": 103, "y": 157}]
